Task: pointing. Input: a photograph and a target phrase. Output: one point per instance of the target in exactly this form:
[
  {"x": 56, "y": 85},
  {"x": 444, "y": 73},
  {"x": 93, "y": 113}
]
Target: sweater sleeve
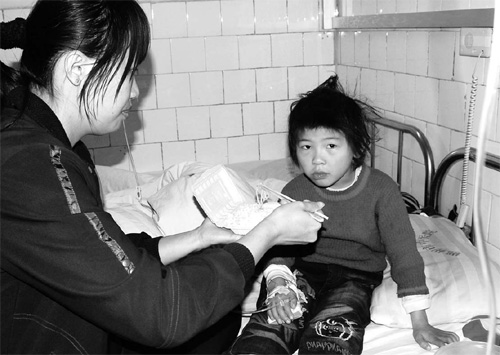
[
  {"x": 57, "y": 238},
  {"x": 398, "y": 236}
]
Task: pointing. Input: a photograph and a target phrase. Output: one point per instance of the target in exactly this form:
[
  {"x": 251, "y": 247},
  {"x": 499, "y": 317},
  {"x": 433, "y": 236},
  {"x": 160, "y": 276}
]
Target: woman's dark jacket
[{"x": 69, "y": 275}]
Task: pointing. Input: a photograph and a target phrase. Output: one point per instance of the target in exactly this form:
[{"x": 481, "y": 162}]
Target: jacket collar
[{"x": 29, "y": 104}]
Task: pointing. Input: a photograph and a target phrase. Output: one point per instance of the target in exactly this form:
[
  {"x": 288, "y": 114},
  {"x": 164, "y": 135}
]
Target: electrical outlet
[{"x": 475, "y": 40}]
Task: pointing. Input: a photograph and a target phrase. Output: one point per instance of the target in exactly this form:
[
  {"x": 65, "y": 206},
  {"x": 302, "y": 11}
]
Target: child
[{"x": 331, "y": 288}]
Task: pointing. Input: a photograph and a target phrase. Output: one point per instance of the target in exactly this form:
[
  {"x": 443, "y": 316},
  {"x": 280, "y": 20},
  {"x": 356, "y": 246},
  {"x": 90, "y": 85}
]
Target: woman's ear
[{"x": 77, "y": 66}]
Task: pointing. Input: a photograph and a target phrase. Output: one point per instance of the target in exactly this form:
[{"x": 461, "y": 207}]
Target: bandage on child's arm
[{"x": 274, "y": 271}]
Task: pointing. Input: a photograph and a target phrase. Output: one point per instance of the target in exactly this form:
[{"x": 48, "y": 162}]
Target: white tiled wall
[
  {"x": 217, "y": 79},
  {"x": 222, "y": 74},
  {"x": 418, "y": 77},
  {"x": 371, "y": 7}
]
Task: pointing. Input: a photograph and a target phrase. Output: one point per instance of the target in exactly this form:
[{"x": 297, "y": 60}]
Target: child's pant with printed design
[{"x": 336, "y": 314}]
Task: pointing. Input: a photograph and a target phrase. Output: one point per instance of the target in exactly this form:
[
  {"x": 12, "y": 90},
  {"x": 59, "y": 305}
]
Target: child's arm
[
  {"x": 425, "y": 334},
  {"x": 282, "y": 294}
]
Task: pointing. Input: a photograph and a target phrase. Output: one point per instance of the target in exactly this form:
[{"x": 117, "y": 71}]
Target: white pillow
[
  {"x": 169, "y": 190},
  {"x": 175, "y": 203},
  {"x": 170, "y": 194},
  {"x": 454, "y": 278},
  {"x": 128, "y": 213},
  {"x": 115, "y": 179},
  {"x": 133, "y": 218},
  {"x": 176, "y": 207},
  {"x": 280, "y": 169}
]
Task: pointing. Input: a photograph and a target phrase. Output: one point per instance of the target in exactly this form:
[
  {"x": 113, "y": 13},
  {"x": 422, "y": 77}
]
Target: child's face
[{"x": 325, "y": 157}]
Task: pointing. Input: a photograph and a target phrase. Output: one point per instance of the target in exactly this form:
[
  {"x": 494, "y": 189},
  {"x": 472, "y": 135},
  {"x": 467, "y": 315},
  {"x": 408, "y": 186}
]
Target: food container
[{"x": 229, "y": 201}]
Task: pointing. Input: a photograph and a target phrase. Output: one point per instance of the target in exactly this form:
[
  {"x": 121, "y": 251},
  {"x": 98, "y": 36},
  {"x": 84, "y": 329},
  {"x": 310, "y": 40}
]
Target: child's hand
[
  {"x": 425, "y": 334},
  {"x": 281, "y": 306},
  {"x": 430, "y": 335}
]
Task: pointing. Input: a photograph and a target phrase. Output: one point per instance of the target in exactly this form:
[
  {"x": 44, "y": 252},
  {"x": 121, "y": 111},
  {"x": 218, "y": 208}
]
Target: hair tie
[{"x": 13, "y": 34}]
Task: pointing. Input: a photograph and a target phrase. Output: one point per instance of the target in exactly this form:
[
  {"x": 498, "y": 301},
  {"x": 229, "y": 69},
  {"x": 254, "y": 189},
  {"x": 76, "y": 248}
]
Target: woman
[{"x": 70, "y": 277}]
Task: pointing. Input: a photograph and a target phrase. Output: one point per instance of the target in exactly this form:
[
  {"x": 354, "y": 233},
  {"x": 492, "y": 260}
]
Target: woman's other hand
[
  {"x": 174, "y": 247},
  {"x": 292, "y": 223},
  {"x": 209, "y": 234}
]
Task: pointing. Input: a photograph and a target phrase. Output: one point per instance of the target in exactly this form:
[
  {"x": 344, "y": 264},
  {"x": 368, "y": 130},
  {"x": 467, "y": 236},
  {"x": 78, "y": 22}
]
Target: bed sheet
[{"x": 383, "y": 340}]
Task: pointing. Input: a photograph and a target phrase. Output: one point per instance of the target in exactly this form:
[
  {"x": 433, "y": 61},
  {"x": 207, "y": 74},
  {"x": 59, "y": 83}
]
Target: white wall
[
  {"x": 418, "y": 77},
  {"x": 219, "y": 80}
]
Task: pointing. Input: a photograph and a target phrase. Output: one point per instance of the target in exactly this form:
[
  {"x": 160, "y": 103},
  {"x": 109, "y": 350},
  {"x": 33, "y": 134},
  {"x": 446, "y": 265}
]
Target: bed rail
[
  {"x": 492, "y": 161},
  {"x": 425, "y": 147}
]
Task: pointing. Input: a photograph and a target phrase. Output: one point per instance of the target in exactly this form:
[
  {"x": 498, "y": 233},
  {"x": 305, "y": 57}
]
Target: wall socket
[{"x": 475, "y": 40}]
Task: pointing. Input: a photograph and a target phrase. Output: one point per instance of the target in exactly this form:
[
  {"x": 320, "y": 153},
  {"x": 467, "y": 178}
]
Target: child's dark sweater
[{"x": 367, "y": 222}]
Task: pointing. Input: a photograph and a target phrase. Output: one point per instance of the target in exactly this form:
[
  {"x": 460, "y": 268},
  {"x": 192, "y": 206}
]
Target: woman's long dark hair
[
  {"x": 12, "y": 35},
  {"x": 109, "y": 31}
]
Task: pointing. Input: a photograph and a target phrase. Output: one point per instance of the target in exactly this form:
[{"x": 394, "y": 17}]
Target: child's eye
[
  {"x": 331, "y": 146},
  {"x": 304, "y": 146}
]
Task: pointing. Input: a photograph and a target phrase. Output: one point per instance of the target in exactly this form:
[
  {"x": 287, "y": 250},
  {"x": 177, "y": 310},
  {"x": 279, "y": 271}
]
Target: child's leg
[
  {"x": 259, "y": 337},
  {"x": 342, "y": 313}
]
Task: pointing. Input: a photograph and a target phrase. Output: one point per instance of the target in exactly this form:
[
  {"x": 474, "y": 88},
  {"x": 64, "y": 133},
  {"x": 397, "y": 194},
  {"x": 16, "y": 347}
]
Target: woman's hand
[
  {"x": 209, "y": 234},
  {"x": 292, "y": 223},
  {"x": 174, "y": 247},
  {"x": 288, "y": 224}
]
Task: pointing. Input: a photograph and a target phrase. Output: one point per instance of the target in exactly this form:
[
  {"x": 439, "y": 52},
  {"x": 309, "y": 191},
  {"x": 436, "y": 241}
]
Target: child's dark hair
[{"x": 329, "y": 107}]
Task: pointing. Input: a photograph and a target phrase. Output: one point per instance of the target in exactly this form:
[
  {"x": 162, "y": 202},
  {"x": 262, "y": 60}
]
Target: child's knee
[{"x": 333, "y": 335}]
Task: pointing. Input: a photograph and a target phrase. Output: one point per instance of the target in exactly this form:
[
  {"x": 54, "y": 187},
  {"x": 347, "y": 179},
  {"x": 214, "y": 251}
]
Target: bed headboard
[
  {"x": 403, "y": 129},
  {"x": 492, "y": 161}
]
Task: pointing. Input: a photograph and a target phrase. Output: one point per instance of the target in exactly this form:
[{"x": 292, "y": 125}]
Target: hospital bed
[{"x": 452, "y": 266}]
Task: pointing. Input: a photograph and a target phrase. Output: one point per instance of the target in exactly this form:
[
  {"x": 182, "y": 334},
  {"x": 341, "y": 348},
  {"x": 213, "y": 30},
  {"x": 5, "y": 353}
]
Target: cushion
[
  {"x": 176, "y": 207},
  {"x": 170, "y": 194},
  {"x": 114, "y": 179},
  {"x": 174, "y": 202},
  {"x": 454, "y": 277},
  {"x": 280, "y": 169},
  {"x": 133, "y": 218}
]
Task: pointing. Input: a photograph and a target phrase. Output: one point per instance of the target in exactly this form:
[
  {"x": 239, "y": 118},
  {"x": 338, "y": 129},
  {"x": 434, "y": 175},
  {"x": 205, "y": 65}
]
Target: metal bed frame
[
  {"x": 492, "y": 162},
  {"x": 434, "y": 179},
  {"x": 402, "y": 129}
]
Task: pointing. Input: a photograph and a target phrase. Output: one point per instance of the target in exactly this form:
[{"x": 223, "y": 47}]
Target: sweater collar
[
  {"x": 351, "y": 191},
  {"x": 356, "y": 175},
  {"x": 35, "y": 108}
]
